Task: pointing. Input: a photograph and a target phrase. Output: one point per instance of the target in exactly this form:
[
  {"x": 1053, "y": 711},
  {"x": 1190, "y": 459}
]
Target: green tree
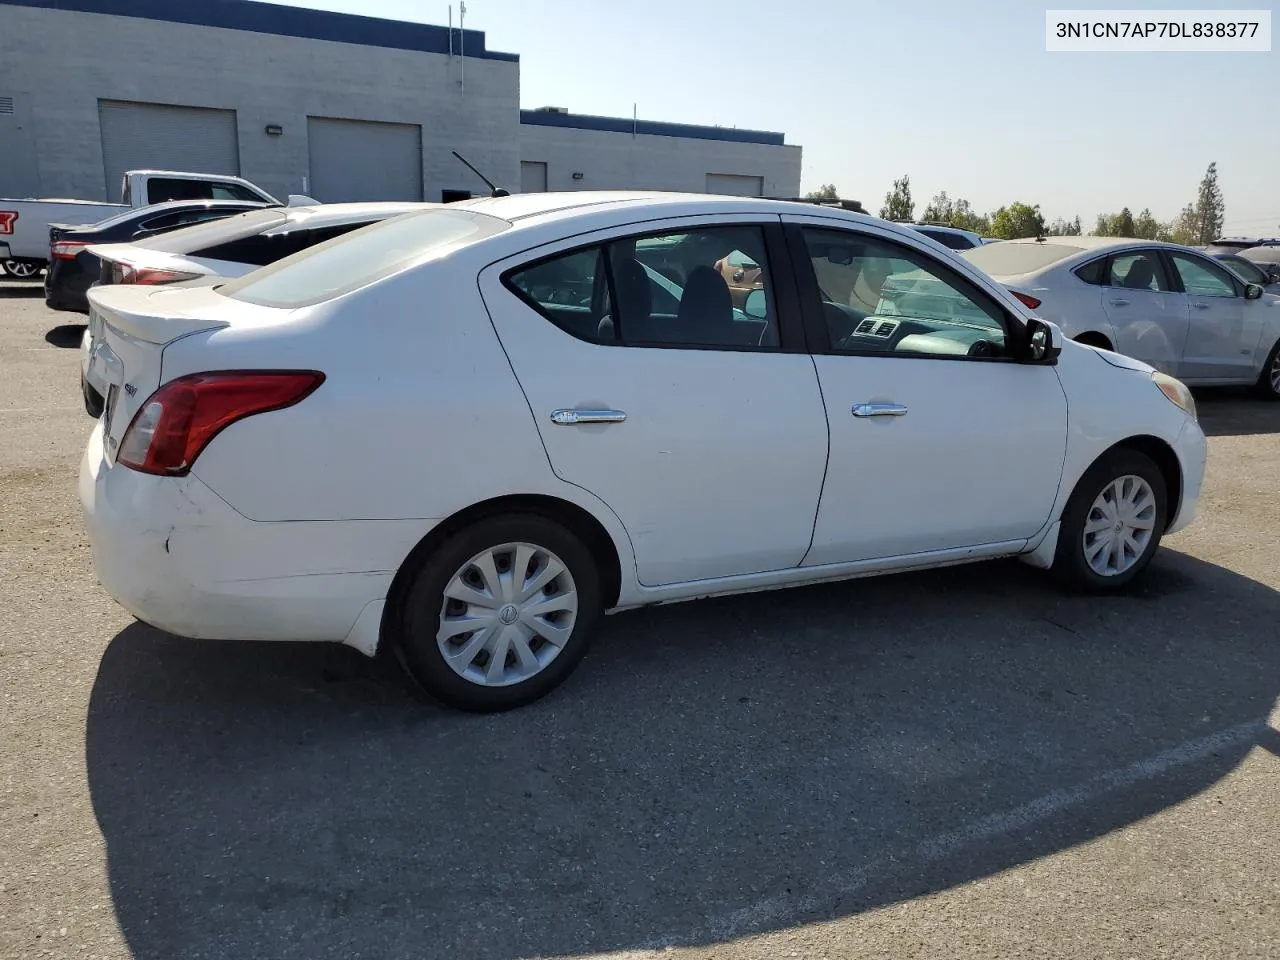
[
  {"x": 1147, "y": 227},
  {"x": 1210, "y": 208},
  {"x": 1183, "y": 229},
  {"x": 955, "y": 213},
  {"x": 1017, "y": 220},
  {"x": 898, "y": 204},
  {"x": 1064, "y": 228},
  {"x": 827, "y": 191}
]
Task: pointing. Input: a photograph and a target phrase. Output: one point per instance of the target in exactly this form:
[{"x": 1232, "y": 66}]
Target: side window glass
[
  {"x": 569, "y": 290},
  {"x": 880, "y": 297},
  {"x": 1093, "y": 272},
  {"x": 715, "y": 290},
  {"x": 233, "y": 191},
  {"x": 164, "y": 189},
  {"x": 1202, "y": 279},
  {"x": 1140, "y": 270}
]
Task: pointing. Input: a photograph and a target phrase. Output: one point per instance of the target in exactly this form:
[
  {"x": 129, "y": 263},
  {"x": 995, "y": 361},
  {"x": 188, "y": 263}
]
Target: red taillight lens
[
  {"x": 7, "y": 219},
  {"x": 129, "y": 273},
  {"x": 1026, "y": 298},
  {"x": 67, "y": 249},
  {"x": 179, "y": 420}
]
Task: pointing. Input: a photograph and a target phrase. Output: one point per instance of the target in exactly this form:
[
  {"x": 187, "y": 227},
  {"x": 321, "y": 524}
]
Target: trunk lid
[{"x": 129, "y": 328}]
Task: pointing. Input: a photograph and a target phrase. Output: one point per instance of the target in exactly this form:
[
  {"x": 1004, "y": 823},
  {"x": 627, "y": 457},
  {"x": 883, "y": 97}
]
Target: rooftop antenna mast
[
  {"x": 462, "y": 47},
  {"x": 495, "y": 191}
]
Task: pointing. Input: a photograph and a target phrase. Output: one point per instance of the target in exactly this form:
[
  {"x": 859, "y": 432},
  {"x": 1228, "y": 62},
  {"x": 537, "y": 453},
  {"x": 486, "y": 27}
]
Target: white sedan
[
  {"x": 466, "y": 433},
  {"x": 1170, "y": 306}
]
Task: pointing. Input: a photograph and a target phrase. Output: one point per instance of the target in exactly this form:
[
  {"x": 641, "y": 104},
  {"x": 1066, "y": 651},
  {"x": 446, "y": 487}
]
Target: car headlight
[{"x": 1177, "y": 392}]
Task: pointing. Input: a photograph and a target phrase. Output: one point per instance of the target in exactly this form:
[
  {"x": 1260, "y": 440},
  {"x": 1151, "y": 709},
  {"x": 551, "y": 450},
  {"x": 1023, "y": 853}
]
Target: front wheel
[
  {"x": 501, "y": 613},
  {"x": 1113, "y": 522},
  {"x": 1268, "y": 385}
]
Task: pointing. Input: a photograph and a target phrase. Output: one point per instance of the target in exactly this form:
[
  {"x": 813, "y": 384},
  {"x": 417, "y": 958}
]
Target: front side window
[
  {"x": 880, "y": 297},
  {"x": 1201, "y": 278},
  {"x": 1140, "y": 270},
  {"x": 701, "y": 288}
]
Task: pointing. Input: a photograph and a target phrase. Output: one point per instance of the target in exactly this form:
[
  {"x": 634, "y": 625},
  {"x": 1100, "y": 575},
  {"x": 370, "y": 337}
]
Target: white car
[
  {"x": 224, "y": 248},
  {"x": 463, "y": 434},
  {"x": 1170, "y": 306}
]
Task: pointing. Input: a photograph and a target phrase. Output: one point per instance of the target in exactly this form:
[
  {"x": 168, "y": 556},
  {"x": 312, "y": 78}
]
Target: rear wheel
[
  {"x": 22, "y": 269},
  {"x": 1113, "y": 522},
  {"x": 501, "y": 613},
  {"x": 1268, "y": 385}
]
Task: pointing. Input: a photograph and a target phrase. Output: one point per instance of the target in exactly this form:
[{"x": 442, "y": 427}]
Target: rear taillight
[
  {"x": 1027, "y": 299},
  {"x": 67, "y": 249},
  {"x": 130, "y": 273},
  {"x": 177, "y": 422},
  {"x": 7, "y": 219}
]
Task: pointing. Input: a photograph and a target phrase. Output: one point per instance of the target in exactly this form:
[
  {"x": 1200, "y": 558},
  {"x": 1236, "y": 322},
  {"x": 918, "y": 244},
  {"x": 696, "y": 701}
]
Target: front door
[
  {"x": 939, "y": 439},
  {"x": 1146, "y": 310},
  {"x": 1224, "y": 331},
  {"x": 701, "y": 428}
]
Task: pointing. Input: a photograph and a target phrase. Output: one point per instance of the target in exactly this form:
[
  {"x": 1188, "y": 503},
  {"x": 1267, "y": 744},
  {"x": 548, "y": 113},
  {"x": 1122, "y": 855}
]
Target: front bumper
[
  {"x": 175, "y": 555},
  {"x": 1192, "y": 450}
]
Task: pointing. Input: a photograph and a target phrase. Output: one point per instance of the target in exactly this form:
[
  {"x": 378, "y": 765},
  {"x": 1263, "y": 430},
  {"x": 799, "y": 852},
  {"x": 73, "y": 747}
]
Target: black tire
[
  {"x": 1264, "y": 388},
  {"x": 419, "y": 615},
  {"x": 1070, "y": 565}
]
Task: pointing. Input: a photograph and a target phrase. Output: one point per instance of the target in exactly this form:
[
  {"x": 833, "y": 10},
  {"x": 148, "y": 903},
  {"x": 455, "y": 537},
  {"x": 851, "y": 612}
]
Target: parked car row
[{"x": 462, "y": 433}]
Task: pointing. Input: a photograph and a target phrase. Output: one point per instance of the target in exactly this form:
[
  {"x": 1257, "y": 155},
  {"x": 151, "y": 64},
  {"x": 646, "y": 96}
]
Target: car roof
[
  {"x": 606, "y": 206},
  {"x": 1091, "y": 243}
]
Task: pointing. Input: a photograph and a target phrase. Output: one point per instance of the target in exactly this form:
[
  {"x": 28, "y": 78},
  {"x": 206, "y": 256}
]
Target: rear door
[
  {"x": 1146, "y": 309},
  {"x": 702, "y": 430},
  {"x": 1224, "y": 327}
]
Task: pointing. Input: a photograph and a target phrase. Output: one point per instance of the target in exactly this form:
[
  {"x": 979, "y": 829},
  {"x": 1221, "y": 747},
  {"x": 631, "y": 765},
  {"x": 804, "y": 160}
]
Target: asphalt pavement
[{"x": 968, "y": 763}]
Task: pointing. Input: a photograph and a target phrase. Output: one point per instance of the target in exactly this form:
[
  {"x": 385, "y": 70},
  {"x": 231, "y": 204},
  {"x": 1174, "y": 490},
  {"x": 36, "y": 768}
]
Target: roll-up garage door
[
  {"x": 158, "y": 136},
  {"x": 364, "y": 160},
  {"x": 735, "y": 185},
  {"x": 533, "y": 176}
]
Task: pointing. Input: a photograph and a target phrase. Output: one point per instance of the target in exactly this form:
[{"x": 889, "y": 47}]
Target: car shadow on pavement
[
  {"x": 714, "y": 769},
  {"x": 21, "y": 290},
  {"x": 1227, "y": 412},
  {"x": 66, "y": 335}
]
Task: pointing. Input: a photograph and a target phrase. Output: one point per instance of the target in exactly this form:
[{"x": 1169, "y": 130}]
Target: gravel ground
[{"x": 964, "y": 764}]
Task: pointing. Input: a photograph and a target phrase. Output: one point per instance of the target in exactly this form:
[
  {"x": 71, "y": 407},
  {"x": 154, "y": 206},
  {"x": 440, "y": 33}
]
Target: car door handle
[
  {"x": 879, "y": 410},
  {"x": 1119, "y": 301},
  {"x": 570, "y": 418},
  {"x": 1201, "y": 306}
]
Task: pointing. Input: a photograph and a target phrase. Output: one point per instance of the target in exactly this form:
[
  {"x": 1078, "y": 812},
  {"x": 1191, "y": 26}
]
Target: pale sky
[{"x": 959, "y": 95}]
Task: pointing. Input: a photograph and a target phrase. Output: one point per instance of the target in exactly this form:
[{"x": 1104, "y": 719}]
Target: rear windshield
[
  {"x": 355, "y": 260},
  {"x": 1012, "y": 259},
  {"x": 213, "y": 232}
]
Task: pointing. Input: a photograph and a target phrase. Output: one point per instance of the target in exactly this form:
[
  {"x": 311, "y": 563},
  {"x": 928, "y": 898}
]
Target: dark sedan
[{"x": 73, "y": 269}]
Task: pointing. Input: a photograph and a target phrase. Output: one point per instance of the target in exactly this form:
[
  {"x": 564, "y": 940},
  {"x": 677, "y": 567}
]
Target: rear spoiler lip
[{"x": 119, "y": 308}]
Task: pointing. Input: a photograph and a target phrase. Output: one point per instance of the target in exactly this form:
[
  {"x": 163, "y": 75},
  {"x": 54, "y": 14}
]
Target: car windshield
[
  {"x": 1012, "y": 259},
  {"x": 357, "y": 259},
  {"x": 215, "y": 232}
]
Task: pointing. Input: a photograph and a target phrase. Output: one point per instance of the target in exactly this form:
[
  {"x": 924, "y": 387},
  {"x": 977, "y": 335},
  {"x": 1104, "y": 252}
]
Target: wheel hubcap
[
  {"x": 1119, "y": 526},
  {"x": 507, "y": 613},
  {"x": 23, "y": 271},
  {"x": 1275, "y": 373}
]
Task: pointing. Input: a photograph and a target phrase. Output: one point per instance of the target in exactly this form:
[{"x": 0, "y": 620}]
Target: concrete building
[{"x": 337, "y": 106}]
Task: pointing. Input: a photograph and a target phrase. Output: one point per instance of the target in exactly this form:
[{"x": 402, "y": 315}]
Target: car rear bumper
[
  {"x": 1192, "y": 450},
  {"x": 178, "y": 557}
]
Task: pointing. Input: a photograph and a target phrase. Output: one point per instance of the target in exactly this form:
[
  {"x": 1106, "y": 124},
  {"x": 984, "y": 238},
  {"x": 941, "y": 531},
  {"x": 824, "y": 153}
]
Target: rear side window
[
  {"x": 1093, "y": 272},
  {"x": 233, "y": 191},
  {"x": 1139, "y": 270},
  {"x": 354, "y": 260},
  {"x": 164, "y": 189}
]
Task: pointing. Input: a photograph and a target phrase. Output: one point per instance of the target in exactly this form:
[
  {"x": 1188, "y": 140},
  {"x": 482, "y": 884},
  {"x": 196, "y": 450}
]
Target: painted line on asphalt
[{"x": 771, "y": 911}]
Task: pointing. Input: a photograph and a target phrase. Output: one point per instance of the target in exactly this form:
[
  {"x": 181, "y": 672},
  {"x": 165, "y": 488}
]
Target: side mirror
[
  {"x": 1044, "y": 341},
  {"x": 1252, "y": 291},
  {"x": 756, "y": 306}
]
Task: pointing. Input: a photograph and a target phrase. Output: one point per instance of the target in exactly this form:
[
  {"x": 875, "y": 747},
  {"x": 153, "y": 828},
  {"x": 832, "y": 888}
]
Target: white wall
[
  {"x": 609, "y": 161},
  {"x": 57, "y": 64}
]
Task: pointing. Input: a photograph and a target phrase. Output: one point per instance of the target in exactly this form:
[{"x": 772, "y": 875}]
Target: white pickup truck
[{"x": 24, "y": 224}]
